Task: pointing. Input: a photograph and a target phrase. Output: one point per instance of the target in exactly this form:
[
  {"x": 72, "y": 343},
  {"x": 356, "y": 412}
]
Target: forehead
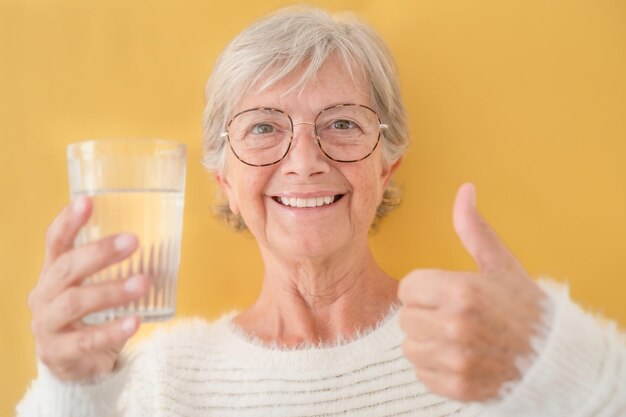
[{"x": 332, "y": 84}]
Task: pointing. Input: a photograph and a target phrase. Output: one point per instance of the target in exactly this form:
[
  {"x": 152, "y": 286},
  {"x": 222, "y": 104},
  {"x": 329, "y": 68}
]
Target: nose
[{"x": 305, "y": 158}]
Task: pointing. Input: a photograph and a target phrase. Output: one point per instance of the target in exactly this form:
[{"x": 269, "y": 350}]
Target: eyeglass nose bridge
[
  {"x": 315, "y": 137},
  {"x": 306, "y": 123},
  {"x": 293, "y": 132}
]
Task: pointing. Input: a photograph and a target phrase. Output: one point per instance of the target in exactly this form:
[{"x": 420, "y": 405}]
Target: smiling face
[{"x": 307, "y": 205}]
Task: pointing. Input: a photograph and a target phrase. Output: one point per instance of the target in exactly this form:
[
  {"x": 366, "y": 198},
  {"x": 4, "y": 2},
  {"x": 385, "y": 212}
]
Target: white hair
[{"x": 274, "y": 47}]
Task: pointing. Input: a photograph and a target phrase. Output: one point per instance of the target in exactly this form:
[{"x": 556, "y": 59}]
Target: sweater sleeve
[
  {"x": 579, "y": 369},
  {"x": 48, "y": 396}
]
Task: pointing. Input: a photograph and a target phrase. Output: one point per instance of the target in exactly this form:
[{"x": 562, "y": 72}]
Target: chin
[{"x": 312, "y": 243}]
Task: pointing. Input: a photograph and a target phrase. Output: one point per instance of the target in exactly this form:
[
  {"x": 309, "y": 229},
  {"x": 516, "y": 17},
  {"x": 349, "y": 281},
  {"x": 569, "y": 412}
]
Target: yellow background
[{"x": 527, "y": 99}]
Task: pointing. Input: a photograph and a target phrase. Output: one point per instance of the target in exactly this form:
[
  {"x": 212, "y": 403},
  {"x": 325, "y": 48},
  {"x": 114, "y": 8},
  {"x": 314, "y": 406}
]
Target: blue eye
[
  {"x": 262, "y": 128},
  {"x": 343, "y": 124}
]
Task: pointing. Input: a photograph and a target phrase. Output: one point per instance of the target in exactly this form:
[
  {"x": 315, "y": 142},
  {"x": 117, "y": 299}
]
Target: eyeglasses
[{"x": 344, "y": 132}]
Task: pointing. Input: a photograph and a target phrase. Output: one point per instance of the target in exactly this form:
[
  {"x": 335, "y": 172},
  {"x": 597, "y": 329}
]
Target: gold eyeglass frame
[{"x": 381, "y": 126}]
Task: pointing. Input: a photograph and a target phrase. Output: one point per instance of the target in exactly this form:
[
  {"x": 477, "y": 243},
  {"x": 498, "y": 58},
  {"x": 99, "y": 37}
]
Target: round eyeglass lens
[
  {"x": 348, "y": 132},
  {"x": 260, "y": 136}
]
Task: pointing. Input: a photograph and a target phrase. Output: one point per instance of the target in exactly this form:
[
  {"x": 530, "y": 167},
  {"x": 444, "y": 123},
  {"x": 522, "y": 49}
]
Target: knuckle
[
  {"x": 413, "y": 277},
  {"x": 54, "y": 237},
  {"x": 408, "y": 277},
  {"x": 36, "y": 327},
  {"x": 103, "y": 247},
  {"x": 403, "y": 319},
  {"x": 32, "y": 299},
  {"x": 465, "y": 290},
  {"x": 109, "y": 295},
  {"x": 457, "y": 330},
  {"x": 452, "y": 330},
  {"x": 403, "y": 290},
  {"x": 466, "y": 297},
  {"x": 72, "y": 304},
  {"x": 63, "y": 267},
  {"x": 427, "y": 380},
  {"x": 420, "y": 377},
  {"x": 119, "y": 295},
  {"x": 460, "y": 308},
  {"x": 44, "y": 357},
  {"x": 51, "y": 235},
  {"x": 407, "y": 348},
  {"x": 67, "y": 370},
  {"x": 460, "y": 388},
  {"x": 411, "y": 281},
  {"x": 43, "y": 353},
  {"x": 62, "y": 373},
  {"x": 86, "y": 340},
  {"x": 463, "y": 363},
  {"x": 99, "y": 252}
]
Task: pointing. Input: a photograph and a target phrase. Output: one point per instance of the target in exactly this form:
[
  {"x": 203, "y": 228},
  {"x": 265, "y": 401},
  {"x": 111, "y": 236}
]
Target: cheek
[
  {"x": 368, "y": 189},
  {"x": 249, "y": 193}
]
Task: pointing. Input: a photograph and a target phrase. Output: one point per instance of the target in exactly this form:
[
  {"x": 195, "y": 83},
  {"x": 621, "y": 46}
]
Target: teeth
[{"x": 306, "y": 202}]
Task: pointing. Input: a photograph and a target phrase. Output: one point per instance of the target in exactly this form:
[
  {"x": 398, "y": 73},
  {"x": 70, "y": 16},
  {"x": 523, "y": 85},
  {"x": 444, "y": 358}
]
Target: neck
[{"x": 319, "y": 300}]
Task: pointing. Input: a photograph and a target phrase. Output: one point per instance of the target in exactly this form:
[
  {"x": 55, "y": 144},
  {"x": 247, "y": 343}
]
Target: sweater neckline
[{"x": 385, "y": 336}]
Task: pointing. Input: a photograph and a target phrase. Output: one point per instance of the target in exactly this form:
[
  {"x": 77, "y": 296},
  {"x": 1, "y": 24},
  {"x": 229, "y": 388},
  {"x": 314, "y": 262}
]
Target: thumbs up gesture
[{"x": 465, "y": 330}]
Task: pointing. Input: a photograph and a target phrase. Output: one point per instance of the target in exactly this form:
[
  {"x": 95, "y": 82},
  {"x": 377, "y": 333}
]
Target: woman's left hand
[{"x": 465, "y": 330}]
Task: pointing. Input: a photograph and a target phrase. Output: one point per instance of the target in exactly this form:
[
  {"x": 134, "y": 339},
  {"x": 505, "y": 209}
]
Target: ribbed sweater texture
[{"x": 196, "y": 368}]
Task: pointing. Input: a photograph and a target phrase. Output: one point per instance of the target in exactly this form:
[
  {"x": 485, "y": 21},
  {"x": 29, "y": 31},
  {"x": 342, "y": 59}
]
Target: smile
[{"x": 308, "y": 202}]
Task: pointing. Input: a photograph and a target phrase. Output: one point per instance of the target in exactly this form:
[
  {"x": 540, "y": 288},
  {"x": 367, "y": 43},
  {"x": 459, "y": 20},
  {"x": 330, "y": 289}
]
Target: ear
[
  {"x": 388, "y": 171},
  {"x": 222, "y": 181}
]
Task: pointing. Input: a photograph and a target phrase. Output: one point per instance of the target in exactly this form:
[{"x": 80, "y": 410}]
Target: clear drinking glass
[{"x": 137, "y": 186}]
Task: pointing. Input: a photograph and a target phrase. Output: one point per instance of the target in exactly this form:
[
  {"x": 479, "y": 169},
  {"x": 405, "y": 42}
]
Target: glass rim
[{"x": 90, "y": 145}]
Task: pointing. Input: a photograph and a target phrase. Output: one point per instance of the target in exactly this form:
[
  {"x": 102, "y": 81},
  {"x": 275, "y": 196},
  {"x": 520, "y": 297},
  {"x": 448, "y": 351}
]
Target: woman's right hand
[{"x": 72, "y": 350}]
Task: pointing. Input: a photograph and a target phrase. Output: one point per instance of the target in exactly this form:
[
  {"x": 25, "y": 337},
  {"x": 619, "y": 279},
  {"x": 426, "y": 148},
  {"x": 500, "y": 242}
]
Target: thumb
[{"x": 477, "y": 236}]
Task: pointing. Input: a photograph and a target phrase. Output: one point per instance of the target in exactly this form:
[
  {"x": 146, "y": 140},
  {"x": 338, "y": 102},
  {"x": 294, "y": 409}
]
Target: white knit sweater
[{"x": 201, "y": 369}]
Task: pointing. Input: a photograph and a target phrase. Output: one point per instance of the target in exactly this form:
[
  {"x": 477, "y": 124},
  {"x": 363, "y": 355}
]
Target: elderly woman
[{"x": 304, "y": 130}]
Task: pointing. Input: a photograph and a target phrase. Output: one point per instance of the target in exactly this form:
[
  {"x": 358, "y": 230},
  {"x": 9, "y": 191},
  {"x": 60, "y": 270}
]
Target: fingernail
[
  {"x": 133, "y": 284},
  {"x": 123, "y": 242},
  {"x": 79, "y": 205},
  {"x": 128, "y": 325}
]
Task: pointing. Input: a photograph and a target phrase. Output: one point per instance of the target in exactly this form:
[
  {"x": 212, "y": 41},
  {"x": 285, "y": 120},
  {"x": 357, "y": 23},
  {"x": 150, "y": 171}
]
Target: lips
[{"x": 308, "y": 202}]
